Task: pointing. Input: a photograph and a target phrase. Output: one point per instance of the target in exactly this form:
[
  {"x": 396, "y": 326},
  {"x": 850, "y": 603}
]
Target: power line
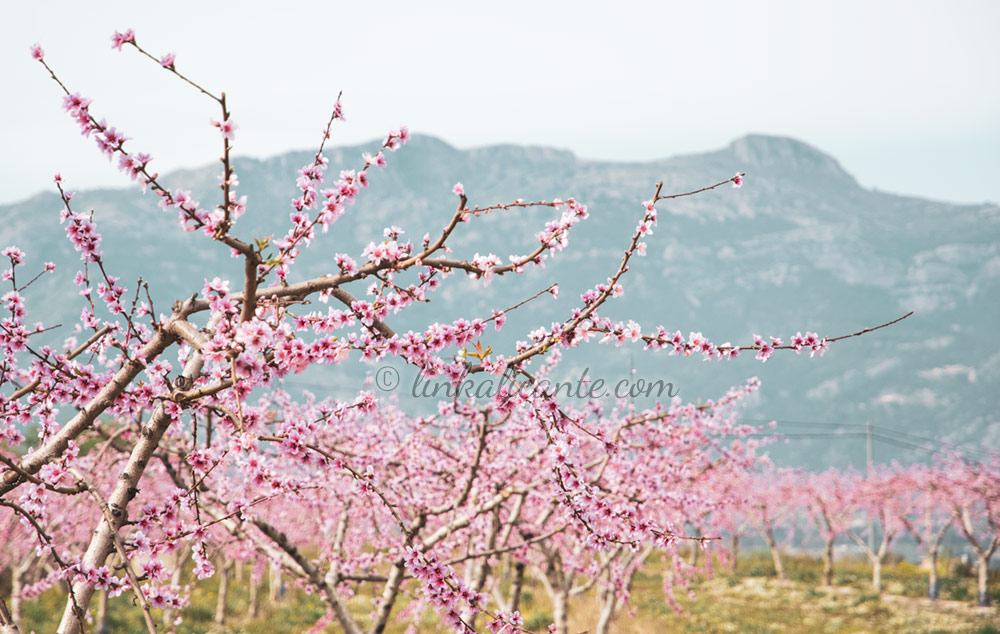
[
  {"x": 887, "y": 433},
  {"x": 857, "y": 435},
  {"x": 819, "y": 434},
  {"x": 801, "y": 422}
]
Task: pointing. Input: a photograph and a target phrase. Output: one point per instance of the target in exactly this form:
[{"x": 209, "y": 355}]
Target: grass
[{"x": 753, "y": 602}]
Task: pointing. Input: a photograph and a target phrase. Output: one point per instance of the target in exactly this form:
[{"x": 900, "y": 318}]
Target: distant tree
[
  {"x": 928, "y": 517},
  {"x": 827, "y": 496},
  {"x": 770, "y": 506},
  {"x": 972, "y": 491},
  {"x": 877, "y": 495}
]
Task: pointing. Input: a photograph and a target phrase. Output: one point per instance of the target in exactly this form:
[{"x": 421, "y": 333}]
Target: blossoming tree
[
  {"x": 929, "y": 519},
  {"x": 972, "y": 491},
  {"x": 832, "y": 509},
  {"x": 171, "y": 428}
]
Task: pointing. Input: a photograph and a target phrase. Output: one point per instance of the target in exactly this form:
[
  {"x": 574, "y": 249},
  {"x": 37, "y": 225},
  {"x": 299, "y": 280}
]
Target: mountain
[{"x": 800, "y": 247}]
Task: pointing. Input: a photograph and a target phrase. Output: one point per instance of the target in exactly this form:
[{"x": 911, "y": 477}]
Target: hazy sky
[{"x": 904, "y": 94}]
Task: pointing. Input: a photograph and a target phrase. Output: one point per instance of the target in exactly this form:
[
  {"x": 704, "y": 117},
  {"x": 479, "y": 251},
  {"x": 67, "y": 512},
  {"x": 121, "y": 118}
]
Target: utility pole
[{"x": 870, "y": 466}]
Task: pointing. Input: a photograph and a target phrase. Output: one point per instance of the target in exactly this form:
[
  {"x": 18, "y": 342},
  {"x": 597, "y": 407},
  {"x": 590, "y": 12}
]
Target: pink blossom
[
  {"x": 227, "y": 127},
  {"x": 396, "y": 139},
  {"x": 167, "y": 61},
  {"x": 485, "y": 264},
  {"x": 765, "y": 351},
  {"x": 378, "y": 159},
  {"x": 117, "y": 39},
  {"x": 74, "y": 103},
  {"x": 154, "y": 569},
  {"x": 798, "y": 341},
  {"x": 499, "y": 319},
  {"x": 37, "y": 52},
  {"x": 738, "y": 181},
  {"x": 15, "y": 254},
  {"x": 458, "y": 189},
  {"x": 820, "y": 346}
]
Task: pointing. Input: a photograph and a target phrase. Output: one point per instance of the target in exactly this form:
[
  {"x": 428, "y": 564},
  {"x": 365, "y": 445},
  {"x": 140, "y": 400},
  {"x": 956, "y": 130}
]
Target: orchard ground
[{"x": 752, "y": 601}]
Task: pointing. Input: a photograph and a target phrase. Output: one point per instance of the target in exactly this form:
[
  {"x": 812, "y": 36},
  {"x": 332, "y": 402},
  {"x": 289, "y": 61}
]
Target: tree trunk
[
  {"x": 607, "y": 600},
  {"x": 984, "y": 571},
  {"x": 516, "y": 583},
  {"x": 102, "y": 541},
  {"x": 695, "y": 547},
  {"x": 224, "y": 571},
  {"x": 828, "y": 564},
  {"x": 390, "y": 592},
  {"x": 932, "y": 579},
  {"x": 274, "y": 584},
  {"x": 254, "y": 595},
  {"x": 877, "y": 575},
  {"x": 779, "y": 569},
  {"x": 734, "y": 548},
  {"x": 175, "y": 579},
  {"x": 560, "y": 610},
  {"x": 101, "y": 627},
  {"x": 7, "y": 623},
  {"x": 16, "y": 603}
]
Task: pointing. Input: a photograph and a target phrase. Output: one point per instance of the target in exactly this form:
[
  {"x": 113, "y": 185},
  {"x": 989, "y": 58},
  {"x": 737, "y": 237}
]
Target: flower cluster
[
  {"x": 119, "y": 39},
  {"x": 443, "y": 589}
]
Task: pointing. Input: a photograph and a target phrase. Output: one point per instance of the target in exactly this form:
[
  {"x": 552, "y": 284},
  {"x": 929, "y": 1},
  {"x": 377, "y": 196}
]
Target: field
[{"x": 752, "y": 602}]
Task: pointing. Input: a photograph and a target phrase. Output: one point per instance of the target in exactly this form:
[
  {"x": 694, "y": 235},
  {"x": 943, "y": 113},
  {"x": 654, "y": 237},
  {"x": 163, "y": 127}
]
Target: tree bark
[
  {"x": 560, "y": 610},
  {"x": 274, "y": 584},
  {"x": 695, "y": 547},
  {"x": 101, "y": 626},
  {"x": 254, "y": 595},
  {"x": 877, "y": 575},
  {"x": 7, "y": 623},
  {"x": 772, "y": 545},
  {"x": 984, "y": 571},
  {"x": 175, "y": 579},
  {"x": 224, "y": 571},
  {"x": 828, "y": 564},
  {"x": 390, "y": 591},
  {"x": 734, "y": 548},
  {"x": 16, "y": 603},
  {"x": 516, "y": 583},
  {"x": 607, "y": 599},
  {"x": 932, "y": 578},
  {"x": 102, "y": 543}
]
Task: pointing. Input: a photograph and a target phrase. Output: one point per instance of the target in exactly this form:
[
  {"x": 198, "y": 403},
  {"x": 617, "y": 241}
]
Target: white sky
[{"x": 905, "y": 94}]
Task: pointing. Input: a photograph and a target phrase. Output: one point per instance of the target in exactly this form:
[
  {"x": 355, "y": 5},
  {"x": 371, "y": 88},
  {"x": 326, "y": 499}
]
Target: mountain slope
[{"x": 800, "y": 246}]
